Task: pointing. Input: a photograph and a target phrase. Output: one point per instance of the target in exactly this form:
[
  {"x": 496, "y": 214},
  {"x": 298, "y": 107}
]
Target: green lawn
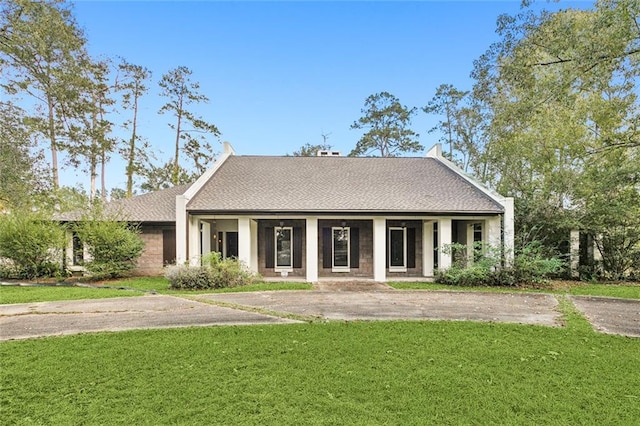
[
  {"x": 141, "y": 285},
  {"x": 626, "y": 291},
  {"x": 364, "y": 373},
  {"x": 127, "y": 287}
]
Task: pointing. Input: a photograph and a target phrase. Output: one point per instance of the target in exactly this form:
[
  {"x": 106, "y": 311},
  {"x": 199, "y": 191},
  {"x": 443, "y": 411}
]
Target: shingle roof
[
  {"x": 159, "y": 206},
  {"x": 343, "y": 184}
]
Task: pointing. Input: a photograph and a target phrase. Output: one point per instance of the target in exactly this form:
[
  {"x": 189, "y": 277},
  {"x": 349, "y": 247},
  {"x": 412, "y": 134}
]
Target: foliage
[
  {"x": 181, "y": 92},
  {"x": 558, "y": 93},
  {"x": 462, "y": 127},
  {"x": 20, "y": 168},
  {"x": 308, "y": 150},
  {"x": 89, "y": 145},
  {"x": 32, "y": 244},
  {"x": 133, "y": 87},
  {"x": 387, "y": 123},
  {"x": 40, "y": 56},
  {"x": 214, "y": 272},
  {"x": 114, "y": 246},
  {"x": 530, "y": 267}
]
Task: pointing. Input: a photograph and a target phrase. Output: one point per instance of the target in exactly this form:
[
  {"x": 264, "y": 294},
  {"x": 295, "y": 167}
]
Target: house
[{"x": 322, "y": 217}]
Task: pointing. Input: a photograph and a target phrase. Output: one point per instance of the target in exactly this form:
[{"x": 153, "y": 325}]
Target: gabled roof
[{"x": 339, "y": 184}]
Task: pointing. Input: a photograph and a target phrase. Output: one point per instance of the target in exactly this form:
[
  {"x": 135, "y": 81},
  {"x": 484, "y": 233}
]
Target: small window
[
  {"x": 284, "y": 248},
  {"x": 341, "y": 249},
  {"x": 398, "y": 249}
]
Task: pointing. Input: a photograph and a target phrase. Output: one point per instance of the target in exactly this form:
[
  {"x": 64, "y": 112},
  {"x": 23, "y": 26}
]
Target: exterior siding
[{"x": 151, "y": 260}]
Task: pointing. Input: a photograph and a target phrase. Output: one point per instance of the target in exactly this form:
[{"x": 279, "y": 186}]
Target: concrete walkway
[{"x": 22, "y": 321}]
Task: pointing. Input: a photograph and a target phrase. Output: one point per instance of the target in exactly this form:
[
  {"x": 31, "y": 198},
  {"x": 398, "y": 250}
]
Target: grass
[
  {"x": 140, "y": 285},
  {"x": 626, "y": 291},
  {"x": 362, "y": 373},
  {"x": 122, "y": 288}
]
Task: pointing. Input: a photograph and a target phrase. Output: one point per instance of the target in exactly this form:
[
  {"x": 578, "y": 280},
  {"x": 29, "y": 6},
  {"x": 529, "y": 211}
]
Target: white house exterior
[{"x": 316, "y": 218}]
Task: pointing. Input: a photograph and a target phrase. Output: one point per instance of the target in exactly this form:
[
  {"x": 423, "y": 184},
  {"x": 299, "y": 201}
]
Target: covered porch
[{"x": 337, "y": 247}]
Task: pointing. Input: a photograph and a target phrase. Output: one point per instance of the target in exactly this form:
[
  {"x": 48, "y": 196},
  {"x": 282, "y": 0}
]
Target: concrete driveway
[
  {"x": 22, "y": 321},
  {"x": 30, "y": 320}
]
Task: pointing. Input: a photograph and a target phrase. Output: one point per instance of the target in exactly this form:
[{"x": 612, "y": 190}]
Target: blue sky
[{"x": 280, "y": 74}]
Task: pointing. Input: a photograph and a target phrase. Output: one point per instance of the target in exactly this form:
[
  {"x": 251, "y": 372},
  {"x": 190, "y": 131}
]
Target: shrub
[
  {"x": 113, "y": 246},
  {"x": 32, "y": 246},
  {"x": 530, "y": 268},
  {"x": 214, "y": 272}
]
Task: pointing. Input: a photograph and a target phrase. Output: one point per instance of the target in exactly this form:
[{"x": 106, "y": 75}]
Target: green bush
[
  {"x": 530, "y": 268},
  {"x": 214, "y": 272},
  {"x": 113, "y": 246},
  {"x": 30, "y": 246}
]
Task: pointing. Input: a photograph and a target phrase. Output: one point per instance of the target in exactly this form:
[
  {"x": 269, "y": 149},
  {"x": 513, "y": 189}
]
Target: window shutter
[
  {"x": 326, "y": 248},
  {"x": 411, "y": 247},
  {"x": 297, "y": 247},
  {"x": 269, "y": 257},
  {"x": 354, "y": 247}
]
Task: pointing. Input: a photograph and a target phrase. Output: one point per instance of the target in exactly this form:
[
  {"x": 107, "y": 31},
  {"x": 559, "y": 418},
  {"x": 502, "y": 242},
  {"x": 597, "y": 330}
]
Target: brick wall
[{"x": 151, "y": 260}]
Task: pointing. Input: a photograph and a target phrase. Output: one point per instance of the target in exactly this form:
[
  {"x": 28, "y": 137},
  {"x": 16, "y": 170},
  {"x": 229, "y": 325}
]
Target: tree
[
  {"x": 560, "y": 90},
  {"x": 463, "y": 127},
  {"x": 133, "y": 85},
  {"x": 182, "y": 92},
  {"x": 386, "y": 122},
  {"x": 90, "y": 143},
  {"x": 20, "y": 168},
  {"x": 309, "y": 150},
  {"x": 39, "y": 51},
  {"x": 446, "y": 102}
]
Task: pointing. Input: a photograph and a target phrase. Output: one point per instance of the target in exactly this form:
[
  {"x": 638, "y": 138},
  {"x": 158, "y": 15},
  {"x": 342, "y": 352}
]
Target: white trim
[
  {"x": 182, "y": 221},
  {"x": 402, "y": 268},
  {"x": 379, "y": 249},
  {"x": 335, "y": 268},
  {"x": 436, "y": 153},
  {"x": 312, "y": 249},
  {"x": 444, "y": 240},
  {"x": 286, "y": 268},
  {"x": 427, "y": 249},
  {"x": 244, "y": 240}
]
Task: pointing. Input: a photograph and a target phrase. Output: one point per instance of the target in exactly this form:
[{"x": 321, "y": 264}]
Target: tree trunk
[
  {"x": 54, "y": 145},
  {"x": 132, "y": 148},
  {"x": 176, "y": 164}
]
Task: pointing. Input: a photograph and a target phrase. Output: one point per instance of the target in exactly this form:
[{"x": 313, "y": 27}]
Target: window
[
  {"x": 78, "y": 250},
  {"x": 341, "y": 252},
  {"x": 284, "y": 245},
  {"x": 398, "y": 249}
]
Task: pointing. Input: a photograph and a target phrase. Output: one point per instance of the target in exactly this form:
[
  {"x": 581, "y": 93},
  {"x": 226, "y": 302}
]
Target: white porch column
[
  {"x": 379, "y": 249},
  {"x": 206, "y": 237},
  {"x": 492, "y": 231},
  {"x": 444, "y": 240},
  {"x": 427, "y": 248},
  {"x": 194, "y": 240},
  {"x": 575, "y": 252},
  {"x": 508, "y": 230},
  {"x": 244, "y": 240},
  {"x": 253, "y": 266},
  {"x": 181, "y": 229},
  {"x": 312, "y": 249}
]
